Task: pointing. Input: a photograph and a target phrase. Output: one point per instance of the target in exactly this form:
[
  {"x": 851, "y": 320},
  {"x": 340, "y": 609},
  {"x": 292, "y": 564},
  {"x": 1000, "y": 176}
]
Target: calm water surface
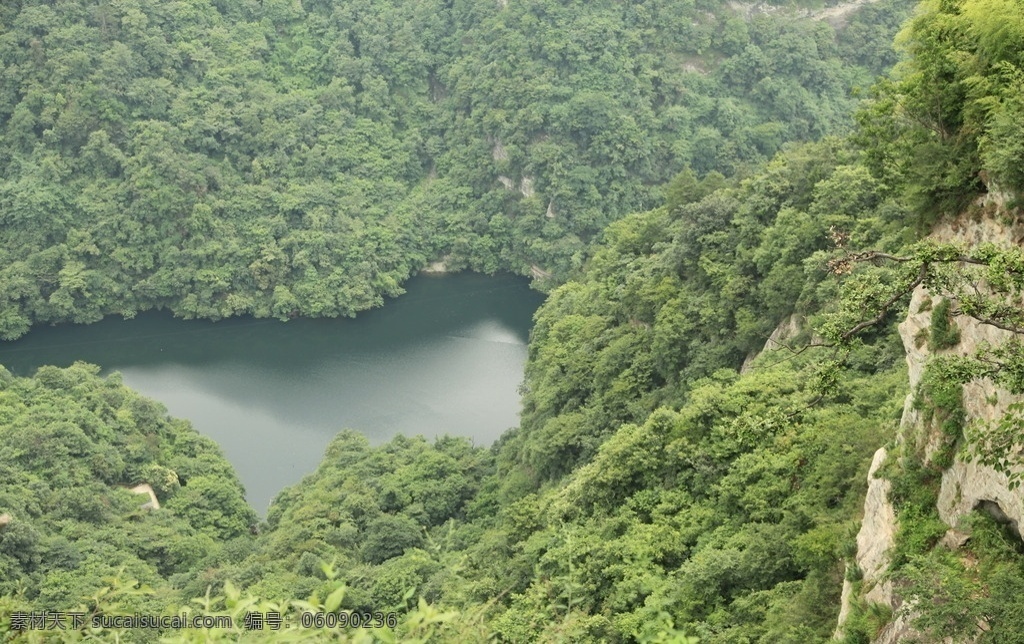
[{"x": 447, "y": 357}]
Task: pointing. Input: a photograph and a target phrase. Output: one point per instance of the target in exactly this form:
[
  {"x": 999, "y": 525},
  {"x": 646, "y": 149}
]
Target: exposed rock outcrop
[
  {"x": 875, "y": 541},
  {"x": 526, "y": 187},
  {"x": 837, "y": 15},
  {"x": 781, "y": 338},
  {"x": 965, "y": 486},
  {"x": 877, "y": 533},
  {"x": 498, "y": 152},
  {"x": 145, "y": 488},
  {"x": 438, "y": 267},
  {"x": 786, "y": 330}
]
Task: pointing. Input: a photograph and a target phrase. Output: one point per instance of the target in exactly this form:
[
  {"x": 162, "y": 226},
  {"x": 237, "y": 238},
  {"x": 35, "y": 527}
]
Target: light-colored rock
[
  {"x": 526, "y": 187},
  {"x": 875, "y": 539},
  {"x": 145, "y": 488},
  {"x": 954, "y": 539},
  {"x": 788, "y": 329},
  {"x": 5, "y": 520},
  {"x": 965, "y": 486},
  {"x": 438, "y": 267},
  {"x": 845, "y": 605},
  {"x": 837, "y": 15},
  {"x": 748, "y": 363},
  {"x": 498, "y": 152},
  {"x": 877, "y": 533},
  {"x": 898, "y": 630},
  {"x": 550, "y": 214},
  {"x": 918, "y": 321}
]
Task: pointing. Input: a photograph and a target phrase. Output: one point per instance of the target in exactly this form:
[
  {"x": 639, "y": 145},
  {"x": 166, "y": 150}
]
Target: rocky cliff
[{"x": 965, "y": 486}]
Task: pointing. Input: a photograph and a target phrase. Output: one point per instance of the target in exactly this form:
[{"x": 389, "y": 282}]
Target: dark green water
[{"x": 446, "y": 357}]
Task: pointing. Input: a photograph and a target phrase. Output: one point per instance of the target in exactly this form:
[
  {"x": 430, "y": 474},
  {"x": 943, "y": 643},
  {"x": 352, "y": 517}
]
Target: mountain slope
[{"x": 286, "y": 158}]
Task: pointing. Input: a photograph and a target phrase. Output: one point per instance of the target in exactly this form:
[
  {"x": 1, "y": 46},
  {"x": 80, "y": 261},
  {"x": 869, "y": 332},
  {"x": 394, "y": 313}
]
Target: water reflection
[{"x": 447, "y": 357}]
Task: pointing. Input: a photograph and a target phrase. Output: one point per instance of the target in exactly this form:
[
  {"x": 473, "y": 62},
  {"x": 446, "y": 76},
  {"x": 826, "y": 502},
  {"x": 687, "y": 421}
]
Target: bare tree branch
[
  {"x": 997, "y": 324},
  {"x": 871, "y": 255}
]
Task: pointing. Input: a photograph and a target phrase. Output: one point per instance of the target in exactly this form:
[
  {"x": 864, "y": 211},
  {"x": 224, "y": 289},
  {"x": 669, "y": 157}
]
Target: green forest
[
  {"x": 285, "y": 159},
  {"x": 680, "y": 176}
]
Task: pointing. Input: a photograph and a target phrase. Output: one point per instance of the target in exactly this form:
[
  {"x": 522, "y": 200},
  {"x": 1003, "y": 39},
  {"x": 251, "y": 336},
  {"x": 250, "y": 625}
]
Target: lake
[{"x": 445, "y": 358}]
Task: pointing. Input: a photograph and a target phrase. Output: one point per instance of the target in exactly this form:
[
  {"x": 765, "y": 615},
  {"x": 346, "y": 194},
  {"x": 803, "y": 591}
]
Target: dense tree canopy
[
  {"x": 669, "y": 478},
  {"x": 648, "y": 480},
  {"x": 75, "y": 444},
  {"x": 285, "y": 158},
  {"x": 949, "y": 121}
]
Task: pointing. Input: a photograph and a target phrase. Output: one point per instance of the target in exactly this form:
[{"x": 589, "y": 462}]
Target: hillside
[
  {"x": 649, "y": 480},
  {"x": 720, "y": 359},
  {"x": 288, "y": 158},
  {"x": 74, "y": 445}
]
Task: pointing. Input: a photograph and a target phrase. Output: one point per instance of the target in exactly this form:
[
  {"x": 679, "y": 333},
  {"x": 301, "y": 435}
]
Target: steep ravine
[{"x": 965, "y": 486}]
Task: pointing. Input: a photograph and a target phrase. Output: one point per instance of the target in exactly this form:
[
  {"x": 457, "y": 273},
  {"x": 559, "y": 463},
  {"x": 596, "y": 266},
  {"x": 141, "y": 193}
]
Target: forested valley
[
  {"x": 285, "y": 158},
  {"x": 687, "y": 178}
]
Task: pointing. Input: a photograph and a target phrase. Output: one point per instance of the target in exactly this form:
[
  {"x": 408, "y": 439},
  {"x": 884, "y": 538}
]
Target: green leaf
[{"x": 334, "y": 599}]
